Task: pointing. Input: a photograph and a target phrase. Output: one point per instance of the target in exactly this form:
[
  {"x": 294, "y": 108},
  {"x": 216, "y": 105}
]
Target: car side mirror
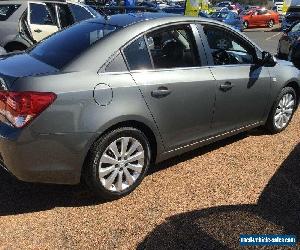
[{"x": 267, "y": 59}]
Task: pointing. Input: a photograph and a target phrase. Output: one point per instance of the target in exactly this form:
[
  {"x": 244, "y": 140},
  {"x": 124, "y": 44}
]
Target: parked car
[
  {"x": 203, "y": 14},
  {"x": 174, "y": 10},
  {"x": 289, "y": 44},
  {"x": 23, "y": 23},
  {"x": 224, "y": 4},
  {"x": 292, "y": 16},
  {"x": 230, "y": 18},
  {"x": 260, "y": 17},
  {"x": 134, "y": 90}
]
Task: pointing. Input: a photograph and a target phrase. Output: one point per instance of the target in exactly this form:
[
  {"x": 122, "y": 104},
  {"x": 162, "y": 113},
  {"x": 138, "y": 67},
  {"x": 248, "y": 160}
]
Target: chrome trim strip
[{"x": 214, "y": 137}]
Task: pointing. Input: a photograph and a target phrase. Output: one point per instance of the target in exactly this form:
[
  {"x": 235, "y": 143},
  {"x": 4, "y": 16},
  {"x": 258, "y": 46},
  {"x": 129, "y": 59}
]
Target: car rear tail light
[{"x": 20, "y": 108}]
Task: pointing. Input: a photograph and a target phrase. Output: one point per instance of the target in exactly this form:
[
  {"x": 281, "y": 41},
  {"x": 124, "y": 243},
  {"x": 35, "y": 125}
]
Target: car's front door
[
  {"x": 243, "y": 87},
  {"x": 42, "y": 22},
  {"x": 175, "y": 82}
]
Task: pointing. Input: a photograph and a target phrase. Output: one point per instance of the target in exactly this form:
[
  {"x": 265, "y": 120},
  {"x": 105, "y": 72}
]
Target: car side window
[
  {"x": 65, "y": 16},
  {"x": 137, "y": 55},
  {"x": 227, "y": 48},
  {"x": 39, "y": 14},
  {"x": 262, "y": 12},
  {"x": 7, "y": 10},
  {"x": 117, "y": 65},
  {"x": 79, "y": 13},
  {"x": 173, "y": 47}
]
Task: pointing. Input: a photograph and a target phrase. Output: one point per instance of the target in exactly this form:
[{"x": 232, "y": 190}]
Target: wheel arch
[
  {"x": 154, "y": 138},
  {"x": 13, "y": 44},
  {"x": 296, "y": 86}
]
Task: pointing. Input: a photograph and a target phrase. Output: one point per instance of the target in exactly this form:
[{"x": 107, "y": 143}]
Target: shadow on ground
[
  {"x": 18, "y": 197},
  {"x": 276, "y": 212}
]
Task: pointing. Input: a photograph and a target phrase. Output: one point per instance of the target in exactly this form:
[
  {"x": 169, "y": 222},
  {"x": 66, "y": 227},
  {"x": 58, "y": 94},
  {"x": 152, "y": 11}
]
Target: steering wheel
[{"x": 221, "y": 57}]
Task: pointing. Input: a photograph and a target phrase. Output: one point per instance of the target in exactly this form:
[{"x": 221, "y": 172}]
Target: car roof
[
  {"x": 131, "y": 26},
  {"x": 123, "y": 20}
]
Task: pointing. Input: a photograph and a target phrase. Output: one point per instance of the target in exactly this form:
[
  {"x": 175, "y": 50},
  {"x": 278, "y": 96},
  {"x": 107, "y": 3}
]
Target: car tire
[
  {"x": 245, "y": 25},
  {"x": 110, "y": 171},
  {"x": 282, "y": 110},
  {"x": 15, "y": 48},
  {"x": 270, "y": 23}
]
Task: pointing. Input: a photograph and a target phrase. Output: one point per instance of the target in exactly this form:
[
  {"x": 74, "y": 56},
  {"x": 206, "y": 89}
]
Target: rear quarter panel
[{"x": 75, "y": 109}]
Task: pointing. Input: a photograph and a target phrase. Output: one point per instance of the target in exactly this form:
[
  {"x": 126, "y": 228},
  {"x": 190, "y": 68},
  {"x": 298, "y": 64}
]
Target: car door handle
[
  {"x": 38, "y": 31},
  {"x": 161, "y": 92},
  {"x": 226, "y": 86}
]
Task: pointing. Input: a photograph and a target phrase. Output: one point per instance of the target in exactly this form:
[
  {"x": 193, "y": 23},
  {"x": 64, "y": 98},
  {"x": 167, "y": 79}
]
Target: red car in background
[{"x": 260, "y": 17}]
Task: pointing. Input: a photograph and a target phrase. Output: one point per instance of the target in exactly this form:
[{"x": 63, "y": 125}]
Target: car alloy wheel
[
  {"x": 117, "y": 163},
  {"x": 245, "y": 24},
  {"x": 284, "y": 111},
  {"x": 270, "y": 23},
  {"x": 121, "y": 164}
]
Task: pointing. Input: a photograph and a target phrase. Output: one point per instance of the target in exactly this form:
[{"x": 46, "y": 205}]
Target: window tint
[
  {"x": 60, "y": 49},
  {"x": 117, "y": 65},
  {"x": 39, "y": 14},
  {"x": 173, "y": 47},
  {"x": 7, "y": 10},
  {"x": 227, "y": 48},
  {"x": 137, "y": 55},
  {"x": 79, "y": 13},
  {"x": 262, "y": 12},
  {"x": 65, "y": 16}
]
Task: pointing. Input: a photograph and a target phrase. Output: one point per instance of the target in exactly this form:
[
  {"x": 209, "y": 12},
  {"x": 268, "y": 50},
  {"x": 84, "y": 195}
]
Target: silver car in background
[
  {"x": 23, "y": 23},
  {"x": 131, "y": 91}
]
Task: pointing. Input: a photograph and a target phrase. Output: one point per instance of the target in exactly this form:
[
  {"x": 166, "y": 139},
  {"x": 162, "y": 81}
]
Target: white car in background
[{"x": 23, "y": 23}]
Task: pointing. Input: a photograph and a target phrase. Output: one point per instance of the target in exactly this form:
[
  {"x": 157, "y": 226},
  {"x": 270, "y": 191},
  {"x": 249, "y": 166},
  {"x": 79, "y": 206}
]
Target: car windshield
[
  {"x": 222, "y": 15},
  {"x": 61, "y": 48}
]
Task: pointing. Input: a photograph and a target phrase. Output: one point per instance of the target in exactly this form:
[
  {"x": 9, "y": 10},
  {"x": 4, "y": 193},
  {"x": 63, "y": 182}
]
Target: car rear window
[
  {"x": 7, "y": 10},
  {"x": 61, "y": 48}
]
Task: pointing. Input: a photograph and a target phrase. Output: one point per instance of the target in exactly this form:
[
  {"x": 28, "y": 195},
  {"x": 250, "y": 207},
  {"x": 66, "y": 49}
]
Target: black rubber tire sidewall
[
  {"x": 92, "y": 164},
  {"x": 270, "y": 122}
]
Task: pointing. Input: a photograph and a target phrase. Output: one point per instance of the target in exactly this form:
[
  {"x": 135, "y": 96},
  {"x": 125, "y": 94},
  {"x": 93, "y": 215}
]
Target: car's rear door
[
  {"x": 170, "y": 68},
  {"x": 243, "y": 87},
  {"x": 42, "y": 22}
]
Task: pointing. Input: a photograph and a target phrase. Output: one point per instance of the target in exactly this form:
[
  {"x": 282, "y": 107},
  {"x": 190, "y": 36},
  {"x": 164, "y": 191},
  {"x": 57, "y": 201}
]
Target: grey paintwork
[{"x": 91, "y": 101}]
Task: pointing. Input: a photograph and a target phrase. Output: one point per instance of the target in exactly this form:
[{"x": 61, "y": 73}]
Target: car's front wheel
[
  {"x": 245, "y": 24},
  {"x": 282, "y": 110},
  {"x": 117, "y": 163}
]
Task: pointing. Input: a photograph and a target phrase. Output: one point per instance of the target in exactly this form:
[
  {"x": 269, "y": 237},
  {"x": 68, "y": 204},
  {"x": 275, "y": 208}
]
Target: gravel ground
[{"x": 202, "y": 200}]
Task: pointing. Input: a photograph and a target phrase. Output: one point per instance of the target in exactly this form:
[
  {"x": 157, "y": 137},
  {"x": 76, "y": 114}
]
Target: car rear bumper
[{"x": 49, "y": 158}]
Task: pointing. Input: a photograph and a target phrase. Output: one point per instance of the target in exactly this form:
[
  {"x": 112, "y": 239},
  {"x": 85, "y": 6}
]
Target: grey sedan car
[{"x": 105, "y": 99}]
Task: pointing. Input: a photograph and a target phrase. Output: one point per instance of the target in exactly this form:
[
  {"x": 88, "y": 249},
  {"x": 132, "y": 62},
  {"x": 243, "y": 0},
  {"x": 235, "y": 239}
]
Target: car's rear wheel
[
  {"x": 245, "y": 24},
  {"x": 270, "y": 23},
  {"x": 282, "y": 110},
  {"x": 117, "y": 163}
]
